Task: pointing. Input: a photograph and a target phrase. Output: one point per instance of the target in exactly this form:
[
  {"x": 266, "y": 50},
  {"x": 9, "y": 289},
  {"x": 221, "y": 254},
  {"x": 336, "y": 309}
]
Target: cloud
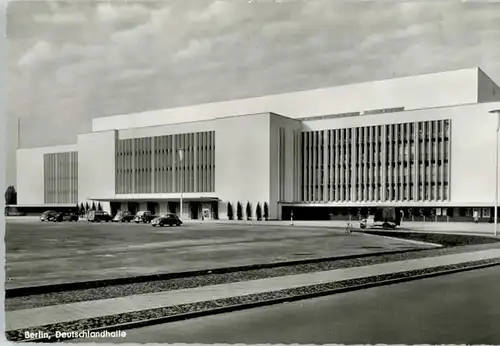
[
  {"x": 215, "y": 10},
  {"x": 135, "y": 74},
  {"x": 134, "y": 35},
  {"x": 61, "y": 18},
  {"x": 41, "y": 51},
  {"x": 108, "y": 12},
  {"x": 145, "y": 55},
  {"x": 195, "y": 49}
]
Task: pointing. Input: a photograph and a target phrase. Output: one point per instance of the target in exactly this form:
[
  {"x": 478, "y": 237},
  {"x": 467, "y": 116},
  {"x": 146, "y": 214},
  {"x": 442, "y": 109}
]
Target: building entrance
[
  {"x": 152, "y": 207},
  {"x": 195, "y": 210},
  {"x": 115, "y": 207},
  {"x": 133, "y": 207},
  {"x": 172, "y": 207}
]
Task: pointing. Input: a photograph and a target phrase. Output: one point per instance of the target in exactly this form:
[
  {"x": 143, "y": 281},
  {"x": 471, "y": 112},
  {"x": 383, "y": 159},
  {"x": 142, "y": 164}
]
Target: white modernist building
[{"x": 424, "y": 142}]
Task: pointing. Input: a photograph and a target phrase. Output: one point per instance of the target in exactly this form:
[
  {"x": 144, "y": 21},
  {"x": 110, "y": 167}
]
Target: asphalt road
[
  {"x": 461, "y": 308},
  {"x": 40, "y": 253}
]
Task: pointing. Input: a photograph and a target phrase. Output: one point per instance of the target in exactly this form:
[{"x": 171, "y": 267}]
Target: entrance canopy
[{"x": 156, "y": 198}]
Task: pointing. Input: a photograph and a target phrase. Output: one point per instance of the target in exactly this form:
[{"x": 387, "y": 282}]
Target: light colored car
[
  {"x": 144, "y": 216},
  {"x": 123, "y": 216},
  {"x": 48, "y": 215}
]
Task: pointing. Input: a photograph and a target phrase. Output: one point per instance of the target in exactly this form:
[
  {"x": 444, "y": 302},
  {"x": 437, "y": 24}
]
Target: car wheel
[
  {"x": 153, "y": 225},
  {"x": 161, "y": 225},
  {"x": 178, "y": 224}
]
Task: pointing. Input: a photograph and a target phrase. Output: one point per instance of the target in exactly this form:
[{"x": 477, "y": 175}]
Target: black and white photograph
[{"x": 252, "y": 172}]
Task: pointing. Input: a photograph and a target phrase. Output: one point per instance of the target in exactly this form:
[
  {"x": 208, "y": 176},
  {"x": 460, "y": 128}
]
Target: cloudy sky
[{"x": 72, "y": 61}]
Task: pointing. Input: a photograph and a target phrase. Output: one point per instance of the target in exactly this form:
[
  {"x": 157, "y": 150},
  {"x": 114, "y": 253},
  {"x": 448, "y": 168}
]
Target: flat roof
[{"x": 413, "y": 92}]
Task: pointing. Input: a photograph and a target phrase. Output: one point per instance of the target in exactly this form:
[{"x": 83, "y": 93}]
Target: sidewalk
[{"x": 98, "y": 308}]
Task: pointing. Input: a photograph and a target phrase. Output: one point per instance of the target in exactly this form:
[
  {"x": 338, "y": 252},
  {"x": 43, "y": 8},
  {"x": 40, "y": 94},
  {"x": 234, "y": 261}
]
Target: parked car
[
  {"x": 144, "y": 216},
  {"x": 98, "y": 216},
  {"x": 48, "y": 215},
  {"x": 166, "y": 219},
  {"x": 65, "y": 216},
  {"x": 384, "y": 217},
  {"x": 123, "y": 216}
]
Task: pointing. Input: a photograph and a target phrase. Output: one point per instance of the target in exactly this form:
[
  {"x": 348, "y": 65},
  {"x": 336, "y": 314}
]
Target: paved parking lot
[{"x": 40, "y": 253}]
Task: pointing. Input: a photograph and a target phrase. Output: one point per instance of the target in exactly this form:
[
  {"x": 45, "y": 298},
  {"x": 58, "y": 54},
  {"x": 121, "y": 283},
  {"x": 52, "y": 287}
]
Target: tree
[
  {"x": 10, "y": 195},
  {"x": 258, "y": 212},
  {"x": 87, "y": 208},
  {"x": 249, "y": 211},
  {"x": 99, "y": 206},
  {"x": 82, "y": 209},
  {"x": 266, "y": 211},
  {"x": 93, "y": 206},
  {"x": 229, "y": 211},
  {"x": 239, "y": 211}
]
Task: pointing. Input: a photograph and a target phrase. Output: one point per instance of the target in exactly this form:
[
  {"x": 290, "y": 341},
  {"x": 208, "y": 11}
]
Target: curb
[
  {"x": 36, "y": 290},
  {"x": 246, "y": 306},
  {"x": 411, "y": 241},
  {"x": 400, "y": 235}
]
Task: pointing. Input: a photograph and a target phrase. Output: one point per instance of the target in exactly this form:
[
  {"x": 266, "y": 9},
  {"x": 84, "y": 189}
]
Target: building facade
[{"x": 424, "y": 143}]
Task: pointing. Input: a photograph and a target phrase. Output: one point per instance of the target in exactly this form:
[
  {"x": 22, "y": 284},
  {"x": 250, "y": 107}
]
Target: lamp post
[
  {"x": 181, "y": 156},
  {"x": 497, "y": 113}
]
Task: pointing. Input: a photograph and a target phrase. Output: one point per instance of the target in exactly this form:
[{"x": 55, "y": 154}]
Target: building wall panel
[{"x": 355, "y": 153}]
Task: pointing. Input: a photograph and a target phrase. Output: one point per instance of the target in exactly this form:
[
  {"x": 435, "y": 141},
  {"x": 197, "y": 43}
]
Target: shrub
[
  {"x": 249, "y": 211},
  {"x": 10, "y": 195},
  {"x": 87, "y": 207},
  {"x": 239, "y": 211},
  {"x": 229, "y": 211},
  {"x": 93, "y": 206},
  {"x": 99, "y": 206},
  {"x": 258, "y": 212},
  {"x": 266, "y": 211}
]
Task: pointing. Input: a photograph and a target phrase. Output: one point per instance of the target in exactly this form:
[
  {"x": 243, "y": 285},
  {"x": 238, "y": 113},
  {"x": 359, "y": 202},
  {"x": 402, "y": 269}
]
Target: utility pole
[
  {"x": 497, "y": 113},
  {"x": 181, "y": 156}
]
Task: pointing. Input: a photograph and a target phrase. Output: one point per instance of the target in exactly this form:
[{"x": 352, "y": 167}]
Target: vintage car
[
  {"x": 166, "y": 219},
  {"x": 144, "y": 217},
  {"x": 98, "y": 216},
  {"x": 65, "y": 216},
  {"x": 383, "y": 217},
  {"x": 48, "y": 215},
  {"x": 123, "y": 216}
]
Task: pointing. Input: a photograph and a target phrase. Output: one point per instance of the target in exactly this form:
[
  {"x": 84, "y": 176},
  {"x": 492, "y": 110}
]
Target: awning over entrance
[{"x": 155, "y": 198}]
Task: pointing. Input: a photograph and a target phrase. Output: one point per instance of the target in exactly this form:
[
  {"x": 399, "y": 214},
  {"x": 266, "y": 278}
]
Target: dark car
[
  {"x": 167, "y": 219},
  {"x": 65, "y": 216},
  {"x": 99, "y": 216},
  {"x": 144, "y": 217},
  {"x": 123, "y": 216},
  {"x": 48, "y": 215}
]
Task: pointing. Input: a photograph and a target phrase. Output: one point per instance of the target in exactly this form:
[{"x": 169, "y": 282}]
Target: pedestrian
[{"x": 476, "y": 216}]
